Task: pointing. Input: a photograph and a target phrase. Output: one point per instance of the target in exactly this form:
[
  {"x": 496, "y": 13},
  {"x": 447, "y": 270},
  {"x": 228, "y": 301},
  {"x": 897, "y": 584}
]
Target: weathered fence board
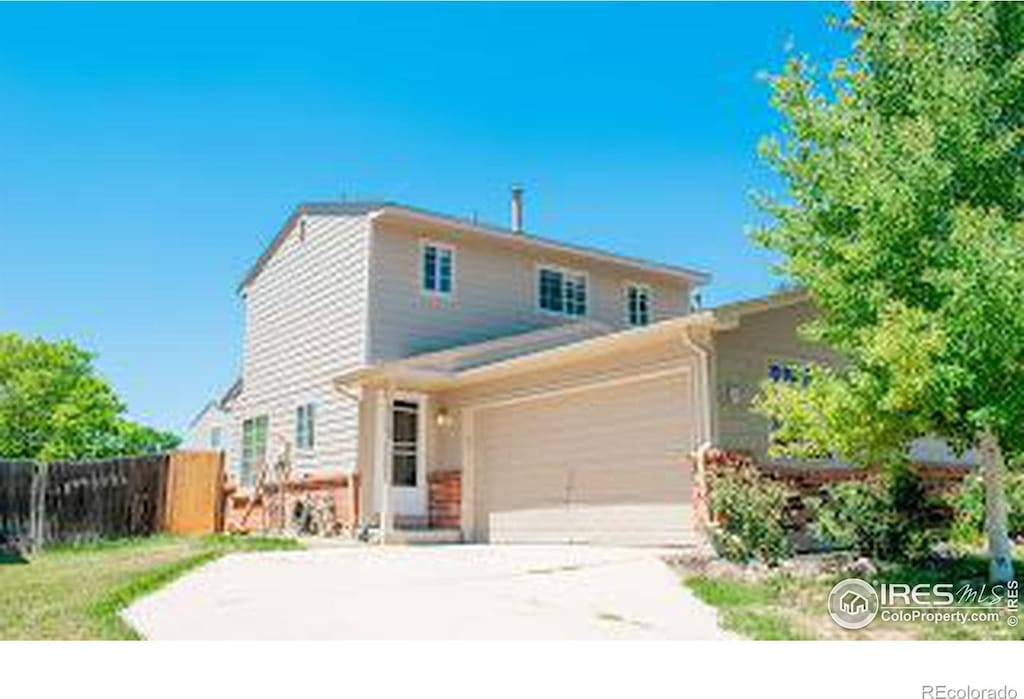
[
  {"x": 16, "y": 512},
  {"x": 104, "y": 499}
]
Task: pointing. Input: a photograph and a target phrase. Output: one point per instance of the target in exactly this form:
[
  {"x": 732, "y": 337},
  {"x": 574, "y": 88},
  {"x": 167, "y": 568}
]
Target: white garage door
[{"x": 602, "y": 465}]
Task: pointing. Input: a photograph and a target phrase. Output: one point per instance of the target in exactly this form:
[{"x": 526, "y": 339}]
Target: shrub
[
  {"x": 889, "y": 516},
  {"x": 969, "y": 507},
  {"x": 750, "y": 515}
]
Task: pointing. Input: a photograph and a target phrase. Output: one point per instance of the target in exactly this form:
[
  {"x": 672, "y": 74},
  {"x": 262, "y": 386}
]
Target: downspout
[
  {"x": 703, "y": 388},
  {"x": 701, "y": 494},
  {"x": 355, "y": 477}
]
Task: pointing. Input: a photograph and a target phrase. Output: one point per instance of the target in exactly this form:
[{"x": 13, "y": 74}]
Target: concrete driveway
[{"x": 443, "y": 592}]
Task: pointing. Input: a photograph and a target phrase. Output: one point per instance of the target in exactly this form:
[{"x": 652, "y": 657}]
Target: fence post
[{"x": 37, "y": 506}]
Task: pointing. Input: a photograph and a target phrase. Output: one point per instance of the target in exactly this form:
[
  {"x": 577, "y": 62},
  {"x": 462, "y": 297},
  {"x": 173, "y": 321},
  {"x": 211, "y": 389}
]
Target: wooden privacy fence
[
  {"x": 72, "y": 501},
  {"x": 17, "y": 492},
  {"x": 195, "y": 493}
]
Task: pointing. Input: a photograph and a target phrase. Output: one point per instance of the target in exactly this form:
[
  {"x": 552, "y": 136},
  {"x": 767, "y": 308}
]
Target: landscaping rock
[{"x": 863, "y": 567}]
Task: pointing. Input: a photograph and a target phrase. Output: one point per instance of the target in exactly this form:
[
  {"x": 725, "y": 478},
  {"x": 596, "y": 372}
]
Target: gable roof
[{"x": 484, "y": 230}]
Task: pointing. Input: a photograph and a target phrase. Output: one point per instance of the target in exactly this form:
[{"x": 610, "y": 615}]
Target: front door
[{"x": 408, "y": 477}]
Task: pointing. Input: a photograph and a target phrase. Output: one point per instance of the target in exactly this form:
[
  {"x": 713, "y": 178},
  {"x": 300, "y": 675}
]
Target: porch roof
[{"x": 518, "y": 353}]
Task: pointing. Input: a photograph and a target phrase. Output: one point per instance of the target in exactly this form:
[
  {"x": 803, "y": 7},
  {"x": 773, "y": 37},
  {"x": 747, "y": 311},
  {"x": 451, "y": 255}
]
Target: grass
[
  {"x": 786, "y": 606},
  {"x": 754, "y": 610},
  {"x": 77, "y": 592}
]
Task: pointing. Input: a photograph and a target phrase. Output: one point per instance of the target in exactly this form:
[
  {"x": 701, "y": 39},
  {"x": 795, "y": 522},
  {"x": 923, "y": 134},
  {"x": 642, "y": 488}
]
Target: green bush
[
  {"x": 750, "y": 515},
  {"x": 888, "y": 516},
  {"x": 969, "y": 507}
]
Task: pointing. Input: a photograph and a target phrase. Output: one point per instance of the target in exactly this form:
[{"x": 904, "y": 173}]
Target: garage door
[{"x": 601, "y": 465}]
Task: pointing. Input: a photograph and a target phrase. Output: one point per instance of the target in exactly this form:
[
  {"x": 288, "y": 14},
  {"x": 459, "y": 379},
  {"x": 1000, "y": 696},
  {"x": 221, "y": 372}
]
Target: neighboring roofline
[
  {"x": 220, "y": 403},
  {"x": 199, "y": 416},
  {"x": 405, "y": 372},
  {"x": 728, "y": 315},
  {"x": 377, "y": 209},
  {"x": 229, "y": 395}
]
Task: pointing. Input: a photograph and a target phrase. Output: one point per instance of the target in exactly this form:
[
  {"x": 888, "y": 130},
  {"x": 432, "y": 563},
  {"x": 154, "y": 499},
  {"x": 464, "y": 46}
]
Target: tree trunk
[{"x": 1000, "y": 569}]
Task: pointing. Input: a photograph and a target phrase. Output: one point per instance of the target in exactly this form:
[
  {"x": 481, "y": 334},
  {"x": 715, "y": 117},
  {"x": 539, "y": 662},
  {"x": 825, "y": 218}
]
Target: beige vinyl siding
[
  {"x": 305, "y": 315},
  {"x": 742, "y": 358},
  {"x": 495, "y": 292}
]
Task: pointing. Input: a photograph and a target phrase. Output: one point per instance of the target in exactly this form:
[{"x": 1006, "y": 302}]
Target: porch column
[
  {"x": 468, "y": 485},
  {"x": 382, "y": 460}
]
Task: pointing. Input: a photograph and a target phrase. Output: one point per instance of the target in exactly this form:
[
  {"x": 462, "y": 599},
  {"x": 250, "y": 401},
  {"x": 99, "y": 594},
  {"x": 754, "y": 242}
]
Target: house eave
[{"x": 529, "y": 240}]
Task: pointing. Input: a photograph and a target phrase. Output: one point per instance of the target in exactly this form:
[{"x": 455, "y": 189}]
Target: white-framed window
[
  {"x": 305, "y": 418},
  {"x": 561, "y": 290},
  {"x": 216, "y": 437},
  {"x": 638, "y": 304},
  {"x": 254, "y": 447},
  {"x": 437, "y": 268}
]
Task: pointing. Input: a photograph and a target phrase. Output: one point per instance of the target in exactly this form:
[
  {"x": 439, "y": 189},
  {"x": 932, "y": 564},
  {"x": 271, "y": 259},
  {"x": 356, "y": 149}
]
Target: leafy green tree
[
  {"x": 904, "y": 220},
  {"x": 54, "y": 406}
]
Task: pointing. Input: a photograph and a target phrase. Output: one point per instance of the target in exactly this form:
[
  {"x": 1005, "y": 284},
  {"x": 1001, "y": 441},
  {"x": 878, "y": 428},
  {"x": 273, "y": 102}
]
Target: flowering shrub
[{"x": 749, "y": 513}]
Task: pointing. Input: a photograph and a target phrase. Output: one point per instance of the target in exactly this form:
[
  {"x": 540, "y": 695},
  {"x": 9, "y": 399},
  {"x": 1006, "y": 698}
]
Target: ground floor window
[{"x": 254, "y": 448}]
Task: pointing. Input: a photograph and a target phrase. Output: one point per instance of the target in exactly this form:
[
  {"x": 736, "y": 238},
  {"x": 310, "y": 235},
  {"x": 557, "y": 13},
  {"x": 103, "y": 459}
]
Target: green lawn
[
  {"x": 786, "y": 606},
  {"x": 76, "y": 592}
]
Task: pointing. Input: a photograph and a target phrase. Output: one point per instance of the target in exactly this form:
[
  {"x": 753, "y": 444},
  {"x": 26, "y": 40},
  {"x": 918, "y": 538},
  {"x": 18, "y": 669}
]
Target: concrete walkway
[{"x": 443, "y": 592}]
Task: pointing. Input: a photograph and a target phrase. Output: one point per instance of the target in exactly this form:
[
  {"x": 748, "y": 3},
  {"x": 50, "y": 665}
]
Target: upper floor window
[
  {"x": 304, "y": 420},
  {"x": 562, "y": 291},
  {"x": 438, "y": 264},
  {"x": 638, "y": 304},
  {"x": 216, "y": 437}
]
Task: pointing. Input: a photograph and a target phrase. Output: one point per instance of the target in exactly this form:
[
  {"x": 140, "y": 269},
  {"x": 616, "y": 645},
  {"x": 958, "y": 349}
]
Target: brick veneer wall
[
  {"x": 340, "y": 490},
  {"x": 445, "y": 499},
  {"x": 805, "y": 479}
]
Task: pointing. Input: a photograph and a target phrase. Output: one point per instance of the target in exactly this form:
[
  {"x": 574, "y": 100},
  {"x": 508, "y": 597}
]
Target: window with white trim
[
  {"x": 638, "y": 304},
  {"x": 438, "y": 268},
  {"x": 254, "y": 447},
  {"x": 216, "y": 437},
  {"x": 562, "y": 291},
  {"x": 304, "y": 420}
]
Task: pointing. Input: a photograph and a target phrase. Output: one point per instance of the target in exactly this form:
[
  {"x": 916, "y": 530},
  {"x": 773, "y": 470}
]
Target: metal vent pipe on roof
[{"x": 517, "y": 208}]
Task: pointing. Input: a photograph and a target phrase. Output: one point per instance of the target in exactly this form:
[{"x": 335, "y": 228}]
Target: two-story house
[{"x": 505, "y": 386}]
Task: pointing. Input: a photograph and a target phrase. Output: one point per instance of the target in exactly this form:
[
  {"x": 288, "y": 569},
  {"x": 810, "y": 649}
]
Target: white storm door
[{"x": 408, "y": 472}]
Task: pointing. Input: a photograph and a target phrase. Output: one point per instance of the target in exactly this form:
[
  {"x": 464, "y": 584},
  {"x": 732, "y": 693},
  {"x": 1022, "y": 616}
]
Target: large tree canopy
[
  {"x": 54, "y": 406},
  {"x": 904, "y": 219}
]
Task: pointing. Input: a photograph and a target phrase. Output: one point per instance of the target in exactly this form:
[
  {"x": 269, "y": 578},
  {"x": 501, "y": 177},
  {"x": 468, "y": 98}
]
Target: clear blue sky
[{"x": 148, "y": 153}]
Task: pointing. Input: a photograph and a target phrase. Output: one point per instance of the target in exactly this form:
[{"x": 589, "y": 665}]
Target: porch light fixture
[{"x": 443, "y": 418}]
